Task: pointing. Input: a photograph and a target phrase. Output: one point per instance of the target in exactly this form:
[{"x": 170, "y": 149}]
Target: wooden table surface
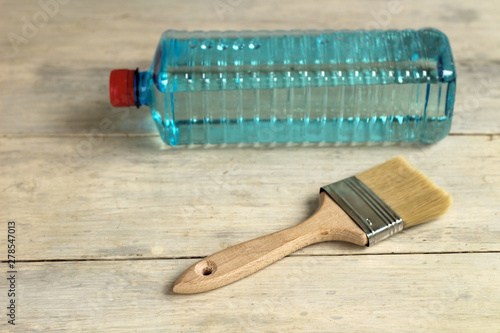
[{"x": 106, "y": 219}]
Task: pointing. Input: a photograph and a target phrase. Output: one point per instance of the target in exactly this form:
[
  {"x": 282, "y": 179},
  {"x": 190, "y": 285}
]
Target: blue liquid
[{"x": 310, "y": 86}]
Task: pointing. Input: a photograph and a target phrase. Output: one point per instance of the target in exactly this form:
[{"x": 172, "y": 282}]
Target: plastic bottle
[{"x": 295, "y": 86}]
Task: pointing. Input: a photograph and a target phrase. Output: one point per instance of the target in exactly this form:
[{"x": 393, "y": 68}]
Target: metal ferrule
[{"x": 369, "y": 212}]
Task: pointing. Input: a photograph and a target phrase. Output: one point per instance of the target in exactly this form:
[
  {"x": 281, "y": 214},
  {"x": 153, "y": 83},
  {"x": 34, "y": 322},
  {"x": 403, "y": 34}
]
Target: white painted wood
[
  {"x": 399, "y": 293},
  {"x": 130, "y": 198}
]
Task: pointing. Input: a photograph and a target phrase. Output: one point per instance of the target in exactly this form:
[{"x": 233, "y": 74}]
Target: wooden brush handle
[{"x": 328, "y": 223}]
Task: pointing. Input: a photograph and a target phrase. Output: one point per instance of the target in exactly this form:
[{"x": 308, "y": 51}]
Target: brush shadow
[
  {"x": 312, "y": 205},
  {"x": 168, "y": 289}
]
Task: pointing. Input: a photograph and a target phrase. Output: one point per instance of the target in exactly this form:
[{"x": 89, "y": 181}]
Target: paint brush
[{"x": 363, "y": 209}]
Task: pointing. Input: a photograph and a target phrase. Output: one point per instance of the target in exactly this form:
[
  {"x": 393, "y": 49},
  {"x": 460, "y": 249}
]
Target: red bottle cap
[{"x": 121, "y": 87}]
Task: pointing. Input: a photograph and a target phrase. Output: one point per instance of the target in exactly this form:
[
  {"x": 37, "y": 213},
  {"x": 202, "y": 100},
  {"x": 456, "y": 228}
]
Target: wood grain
[
  {"x": 401, "y": 293},
  {"x": 130, "y": 197}
]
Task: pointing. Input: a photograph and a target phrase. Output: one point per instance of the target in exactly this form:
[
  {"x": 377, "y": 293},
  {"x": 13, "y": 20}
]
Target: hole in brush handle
[{"x": 205, "y": 268}]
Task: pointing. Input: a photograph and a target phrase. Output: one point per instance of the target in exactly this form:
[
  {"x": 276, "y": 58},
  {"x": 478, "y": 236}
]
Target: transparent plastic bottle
[{"x": 295, "y": 86}]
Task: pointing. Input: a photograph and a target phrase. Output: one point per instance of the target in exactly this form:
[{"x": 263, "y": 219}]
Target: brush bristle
[{"x": 411, "y": 194}]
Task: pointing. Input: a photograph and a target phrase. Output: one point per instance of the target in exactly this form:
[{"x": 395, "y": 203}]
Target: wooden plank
[
  {"x": 57, "y": 82},
  {"x": 125, "y": 197},
  {"x": 403, "y": 293},
  {"x": 470, "y": 25}
]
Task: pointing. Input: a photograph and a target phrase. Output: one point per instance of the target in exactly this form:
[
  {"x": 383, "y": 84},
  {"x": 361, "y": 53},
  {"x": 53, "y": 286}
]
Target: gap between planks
[{"x": 292, "y": 255}]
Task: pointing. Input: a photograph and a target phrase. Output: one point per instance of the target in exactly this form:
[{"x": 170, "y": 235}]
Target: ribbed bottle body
[{"x": 302, "y": 86}]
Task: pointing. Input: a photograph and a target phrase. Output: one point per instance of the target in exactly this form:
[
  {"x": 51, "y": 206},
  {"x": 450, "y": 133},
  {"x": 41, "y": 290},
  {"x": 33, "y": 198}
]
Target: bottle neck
[{"x": 141, "y": 88}]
